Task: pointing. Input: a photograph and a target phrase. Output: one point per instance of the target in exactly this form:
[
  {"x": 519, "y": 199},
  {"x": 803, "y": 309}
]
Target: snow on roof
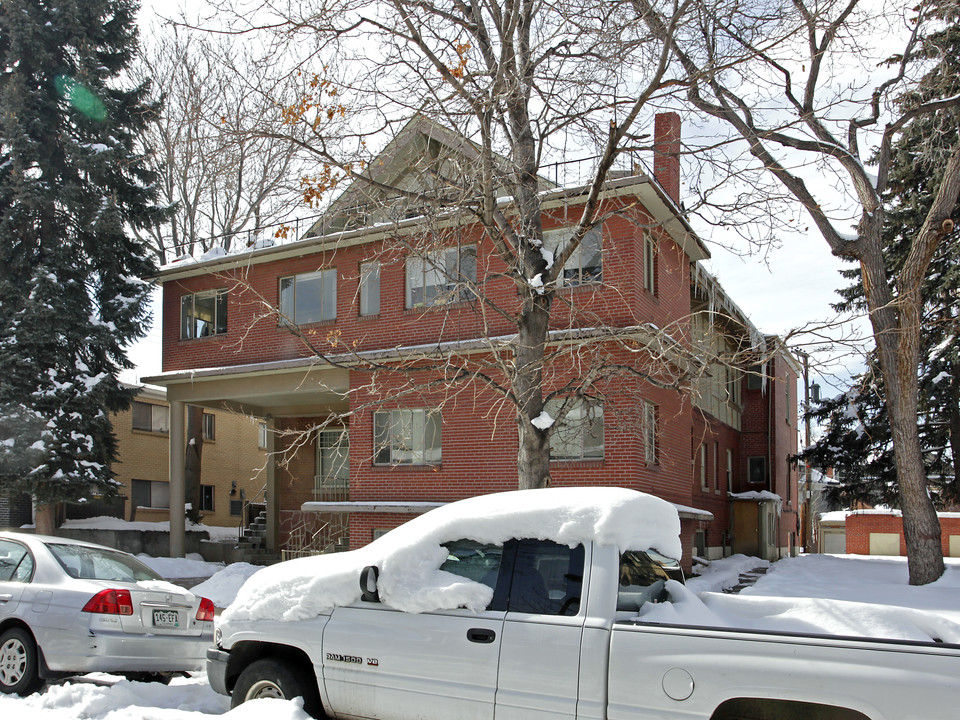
[{"x": 409, "y": 557}]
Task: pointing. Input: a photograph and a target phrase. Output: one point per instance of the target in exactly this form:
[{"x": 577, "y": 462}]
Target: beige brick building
[{"x": 232, "y": 461}]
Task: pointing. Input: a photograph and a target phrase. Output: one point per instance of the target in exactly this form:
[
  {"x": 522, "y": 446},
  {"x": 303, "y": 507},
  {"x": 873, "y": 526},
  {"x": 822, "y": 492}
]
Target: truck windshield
[{"x": 643, "y": 577}]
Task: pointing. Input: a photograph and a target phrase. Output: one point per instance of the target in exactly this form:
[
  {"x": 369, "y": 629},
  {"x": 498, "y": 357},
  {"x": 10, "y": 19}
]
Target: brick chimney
[{"x": 666, "y": 153}]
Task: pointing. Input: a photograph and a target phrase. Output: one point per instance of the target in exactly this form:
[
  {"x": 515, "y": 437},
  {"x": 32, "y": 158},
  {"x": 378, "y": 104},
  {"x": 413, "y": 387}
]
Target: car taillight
[
  {"x": 205, "y": 611},
  {"x": 110, "y": 602}
]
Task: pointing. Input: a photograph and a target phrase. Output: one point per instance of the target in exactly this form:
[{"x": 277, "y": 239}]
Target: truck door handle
[
  {"x": 481, "y": 635},
  {"x": 6, "y": 597}
]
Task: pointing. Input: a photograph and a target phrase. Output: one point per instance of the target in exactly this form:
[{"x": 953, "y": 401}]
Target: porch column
[
  {"x": 273, "y": 494},
  {"x": 177, "y": 484}
]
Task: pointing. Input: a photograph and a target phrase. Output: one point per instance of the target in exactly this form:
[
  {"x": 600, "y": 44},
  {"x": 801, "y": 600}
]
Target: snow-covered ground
[{"x": 809, "y": 592}]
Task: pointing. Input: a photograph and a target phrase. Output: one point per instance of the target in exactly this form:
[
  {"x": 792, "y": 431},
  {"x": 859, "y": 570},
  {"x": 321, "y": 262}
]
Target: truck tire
[
  {"x": 18, "y": 663},
  {"x": 273, "y": 678}
]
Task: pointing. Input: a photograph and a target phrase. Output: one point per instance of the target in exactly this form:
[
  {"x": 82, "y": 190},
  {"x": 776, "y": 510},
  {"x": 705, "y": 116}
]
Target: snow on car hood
[{"x": 409, "y": 557}]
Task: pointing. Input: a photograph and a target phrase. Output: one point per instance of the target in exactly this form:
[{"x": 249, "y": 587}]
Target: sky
[{"x": 780, "y": 290}]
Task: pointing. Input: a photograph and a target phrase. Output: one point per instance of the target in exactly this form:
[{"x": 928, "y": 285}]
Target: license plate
[{"x": 166, "y": 618}]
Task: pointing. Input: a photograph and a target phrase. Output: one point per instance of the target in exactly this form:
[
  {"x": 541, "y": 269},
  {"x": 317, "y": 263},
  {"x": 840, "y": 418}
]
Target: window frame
[
  {"x": 420, "y": 454},
  {"x": 649, "y": 264},
  {"x": 151, "y": 484},
  {"x": 155, "y": 408},
  {"x": 587, "y": 425},
  {"x": 209, "y": 433},
  {"x": 290, "y": 316},
  {"x": 435, "y": 264},
  {"x": 651, "y": 450},
  {"x": 760, "y": 460},
  {"x": 369, "y": 288},
  {"x": 204, "y": 491},
  {"x": 189, "y": 319},
  {"x": 573, "y": 273}
]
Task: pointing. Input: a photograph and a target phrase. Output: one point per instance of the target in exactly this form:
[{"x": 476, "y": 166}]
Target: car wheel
[
  {"x": 271, "y": 678},
  {"x": 18, "y": 663}
]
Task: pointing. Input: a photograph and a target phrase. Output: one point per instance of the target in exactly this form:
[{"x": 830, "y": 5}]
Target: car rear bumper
[
  {"x": 217, "y": 670},
  {"x": 121, "y": 652}
]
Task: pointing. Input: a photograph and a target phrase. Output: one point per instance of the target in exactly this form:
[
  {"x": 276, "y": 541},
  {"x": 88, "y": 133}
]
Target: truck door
[
  {"x": 540, "y": 647},
  {"x": 382, "y": 663}
]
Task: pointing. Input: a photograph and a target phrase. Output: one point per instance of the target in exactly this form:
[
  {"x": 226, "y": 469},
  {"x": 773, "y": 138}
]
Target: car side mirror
[{"x": 368, "y": 584}]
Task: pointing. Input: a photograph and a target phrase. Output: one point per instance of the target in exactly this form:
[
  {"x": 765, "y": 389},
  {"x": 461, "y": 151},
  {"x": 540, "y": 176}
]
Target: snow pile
[
  {"x": 192, "y": 566},
  {"x": 724, "y": 574},
  {"x": 850, "y": 595},
  {"x": 222, "y": 588},
  {"x": 106, "y": 522},
  {"x": 409, "y": 557}
]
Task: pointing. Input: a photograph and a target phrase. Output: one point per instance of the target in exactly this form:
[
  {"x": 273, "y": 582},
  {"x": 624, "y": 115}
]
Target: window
[
  {"x": 16, "y": 564},
  {"x": 203, "y": 314},
  {"x": 476, "y": 561},
  {"x": 703, "y": 468},
  {"x": 406, "y": 437},
  {"x": 755, "y": 376},
  {"x": 716, "y": 467},
  {"x": 209, "y": 427},
  {"x": 729, "y": 470},
  {"x": 150, "y": 493},
  {"x": 757, "y": 469},
  {"x": 649, "y": 264},
  {"x": 585, "y": 265},
  {"x": 309, "y": 297},
  {"x": 643, "y": 577},
  {"x": 236, "y": 508},
  {"x": 206, "y": 498},
  {"x": 151, "y": 418},
  {"x": 370, "y": 288},
  {"x": 650, "y": 454},
  {"x": 547, "y": 578},
  {"x": 441, "y": 277},
  {"x": 579, "y": 434},
  {"x": 262, "y": 435}
]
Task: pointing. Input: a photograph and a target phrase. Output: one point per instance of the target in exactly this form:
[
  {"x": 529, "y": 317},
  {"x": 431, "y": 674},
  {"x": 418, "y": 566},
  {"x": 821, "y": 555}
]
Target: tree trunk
[
  {"x": 533, "y": 455},
  {"x": 192, "y": 461},
  {"x": 45, "y": 518},
  {"x": 896, "y": 329}
]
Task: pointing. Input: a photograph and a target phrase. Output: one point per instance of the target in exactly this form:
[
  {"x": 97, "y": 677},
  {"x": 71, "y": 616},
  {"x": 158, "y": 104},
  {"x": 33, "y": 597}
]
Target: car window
[
  {"x": 547, "y": 578},
  {"x": 643, "y": 577},
  {"x": 91, "y": 563},
  {"x": 473, "y": 560},
  {"x": 16, "y": 564}
]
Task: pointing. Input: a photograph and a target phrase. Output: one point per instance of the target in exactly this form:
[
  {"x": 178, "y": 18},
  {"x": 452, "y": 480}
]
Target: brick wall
[{"x": 859, "y": 526}]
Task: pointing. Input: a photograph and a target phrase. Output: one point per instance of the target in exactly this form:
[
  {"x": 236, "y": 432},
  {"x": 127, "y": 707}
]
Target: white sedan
[{"x": 70, "y": 607}]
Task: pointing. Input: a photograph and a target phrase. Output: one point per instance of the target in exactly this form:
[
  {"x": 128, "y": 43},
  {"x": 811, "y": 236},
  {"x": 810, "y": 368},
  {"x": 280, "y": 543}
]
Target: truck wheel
[
  {"x": 271, "y": 678},
  {"x": 18, "y": 663}
]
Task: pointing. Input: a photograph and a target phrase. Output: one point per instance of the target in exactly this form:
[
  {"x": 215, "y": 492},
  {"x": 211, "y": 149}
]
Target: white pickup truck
[{"x": 548, "y": 628}]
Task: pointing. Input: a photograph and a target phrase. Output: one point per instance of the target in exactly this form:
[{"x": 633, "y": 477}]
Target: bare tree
[
  {"x": 224, "y": 179},
  {"x": 804, "y": 111}
]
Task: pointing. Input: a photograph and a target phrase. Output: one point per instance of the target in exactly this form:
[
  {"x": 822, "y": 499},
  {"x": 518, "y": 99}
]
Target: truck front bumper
[{"x": 217, "y": 669}]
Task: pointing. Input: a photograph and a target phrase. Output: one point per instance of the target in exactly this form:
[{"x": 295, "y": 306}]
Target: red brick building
[{"x": 358, "y": 445}]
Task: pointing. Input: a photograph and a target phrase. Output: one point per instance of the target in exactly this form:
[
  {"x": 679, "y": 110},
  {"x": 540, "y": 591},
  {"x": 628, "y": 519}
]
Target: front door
[{"x": 332, "y": 480}]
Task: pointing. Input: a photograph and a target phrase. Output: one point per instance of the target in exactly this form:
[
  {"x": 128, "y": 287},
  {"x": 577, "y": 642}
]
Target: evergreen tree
[
  {"x": 857, "y": 442},
  {"x": 72, "y": 288}
]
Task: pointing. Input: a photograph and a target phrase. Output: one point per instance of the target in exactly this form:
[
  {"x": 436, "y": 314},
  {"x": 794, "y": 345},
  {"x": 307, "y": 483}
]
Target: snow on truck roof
[{"x": 409, "y": 557}]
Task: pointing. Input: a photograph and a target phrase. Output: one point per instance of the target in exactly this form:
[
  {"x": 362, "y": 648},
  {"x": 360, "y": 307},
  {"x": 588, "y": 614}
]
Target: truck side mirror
[{"x": 368, "y": 584}]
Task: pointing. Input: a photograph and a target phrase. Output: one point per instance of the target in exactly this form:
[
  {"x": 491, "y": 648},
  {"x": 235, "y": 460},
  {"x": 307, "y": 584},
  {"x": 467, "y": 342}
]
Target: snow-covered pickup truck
[{"x": 530, "y": 605}]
